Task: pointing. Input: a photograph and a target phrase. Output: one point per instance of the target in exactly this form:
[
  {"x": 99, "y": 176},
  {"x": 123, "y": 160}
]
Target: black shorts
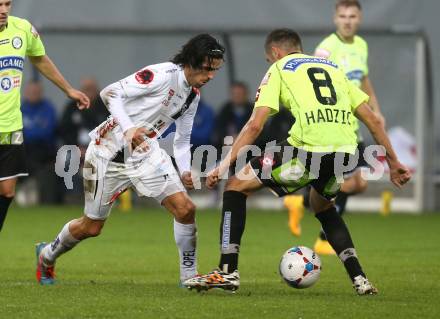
[
  {"x": 13, "y": 161},
  {"x": 362, "y": 163},
  {"x": 286, "y": 169}
]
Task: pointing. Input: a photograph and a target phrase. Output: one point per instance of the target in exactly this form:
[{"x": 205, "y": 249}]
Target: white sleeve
[
  {"x": 141, "y": 83},
  {"x": 112, "y": 96},
  {"x": 182, "y": 139}
]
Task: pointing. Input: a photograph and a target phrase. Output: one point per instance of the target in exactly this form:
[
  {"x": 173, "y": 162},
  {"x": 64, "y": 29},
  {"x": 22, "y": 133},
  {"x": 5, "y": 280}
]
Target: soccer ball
[{"x": 300, "y": 267}]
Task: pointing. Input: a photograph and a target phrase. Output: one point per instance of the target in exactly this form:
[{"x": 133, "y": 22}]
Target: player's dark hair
[
  {"x": 197, "y": 49},
  {"x": 283, "y": 37},
  {"x": 348, "y": 3}
]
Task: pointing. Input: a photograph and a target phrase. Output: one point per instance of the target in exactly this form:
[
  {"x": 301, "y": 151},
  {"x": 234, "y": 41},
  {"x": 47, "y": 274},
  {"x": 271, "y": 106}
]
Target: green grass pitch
[{"x": 131, "y": 270}]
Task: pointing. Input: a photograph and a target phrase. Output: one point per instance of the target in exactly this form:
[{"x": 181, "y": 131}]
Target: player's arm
[
  {"x": 114, "y": 96},
  {"x": 399, "y": 174},
  {"x": 368, "y": 88},
  {"x": 247, "y": 136},
  {"x": 182, "y": 144},
  {"x": 46, "y": 67}
]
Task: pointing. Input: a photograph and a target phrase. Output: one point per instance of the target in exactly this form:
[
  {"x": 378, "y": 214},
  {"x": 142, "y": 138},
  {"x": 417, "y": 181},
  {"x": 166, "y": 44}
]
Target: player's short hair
[
  {"x": 286, "y": 38},
  {"x": 240, "y": 84},
  {"x": 348, "y": 3},
  {"x": 197, "y": 49}
]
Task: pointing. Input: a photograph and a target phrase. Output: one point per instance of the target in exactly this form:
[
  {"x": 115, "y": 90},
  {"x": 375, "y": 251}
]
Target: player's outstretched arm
[
  {"x": 399, "y": 173},
  {"x": 247, "y": 136},
  {"x": 368, "y": 88},
  {"x": 45, "y": 65}
]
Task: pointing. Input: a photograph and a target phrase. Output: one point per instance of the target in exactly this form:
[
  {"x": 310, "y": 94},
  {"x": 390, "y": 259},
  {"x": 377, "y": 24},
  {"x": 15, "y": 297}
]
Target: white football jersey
[{"x": 154, "y": 98}]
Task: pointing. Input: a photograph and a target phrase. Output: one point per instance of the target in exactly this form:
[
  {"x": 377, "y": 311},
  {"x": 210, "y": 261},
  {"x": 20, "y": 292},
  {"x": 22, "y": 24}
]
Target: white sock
[
  {"x": 62, "y": 243},
  {"x": 186, "y": 239}
]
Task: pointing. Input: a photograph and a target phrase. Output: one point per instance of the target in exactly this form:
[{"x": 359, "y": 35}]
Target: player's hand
[
  {"x": 136, "y": 137},
  {"x": 187, "y": 180},
  {"x": 82, "y": 101},
  {"x": 212, "y": 178},
  {"x": 399, "y": 174}
]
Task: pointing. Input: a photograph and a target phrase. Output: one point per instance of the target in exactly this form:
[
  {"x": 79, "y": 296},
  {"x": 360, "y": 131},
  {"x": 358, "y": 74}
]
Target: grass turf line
[{"x": 131, "y": 270}]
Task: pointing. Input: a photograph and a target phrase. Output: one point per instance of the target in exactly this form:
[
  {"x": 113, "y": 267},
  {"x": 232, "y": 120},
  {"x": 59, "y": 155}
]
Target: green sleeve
[
  {"x": 268, "y": 93},
  {"x": 357, "y": 96},
  {"x": 366, "y": 59},
  {"x": 35, "y": 46}
]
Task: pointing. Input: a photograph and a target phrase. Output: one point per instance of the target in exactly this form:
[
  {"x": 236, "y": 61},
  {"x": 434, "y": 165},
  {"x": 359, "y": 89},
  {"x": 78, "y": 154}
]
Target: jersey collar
[
  {"x": 6, "y": 26},
  {"x": 342, "y": 40}
]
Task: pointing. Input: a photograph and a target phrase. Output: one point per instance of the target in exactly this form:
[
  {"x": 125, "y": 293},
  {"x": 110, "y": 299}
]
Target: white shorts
[{"x": 105, "y": 180}]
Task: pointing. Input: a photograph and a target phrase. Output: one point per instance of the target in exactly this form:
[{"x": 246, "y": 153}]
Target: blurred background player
[
  {"x": 74, "y": 125},
  {"x": 233, "y": 114},
  {"x": 295, "y": 80},
  {"x": 350, "y": 52},
  {"x": 124, "y": 151},
  {"x": 20, "y": 39},
  {"x": 40, "y": 140}
]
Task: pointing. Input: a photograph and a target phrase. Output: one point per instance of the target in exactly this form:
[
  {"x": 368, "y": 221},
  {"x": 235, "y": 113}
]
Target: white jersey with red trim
[{"x": 154, "y": 98}]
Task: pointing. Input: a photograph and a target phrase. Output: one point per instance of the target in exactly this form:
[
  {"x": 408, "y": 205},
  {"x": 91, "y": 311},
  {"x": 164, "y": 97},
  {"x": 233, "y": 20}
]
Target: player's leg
[
  {"x": 7, "y": 193},
  {"x": 353, "y": 184},
  {"x": 13, "y": 165},
  {"x": 185, "y": 232},
  {"x": 340, "y": 239},
  {"x": 157, "y": 178},
  {"x": 353, "y": 181},
  {"x": 100, "y": 192},
  {"x": 237, "y": 189}
]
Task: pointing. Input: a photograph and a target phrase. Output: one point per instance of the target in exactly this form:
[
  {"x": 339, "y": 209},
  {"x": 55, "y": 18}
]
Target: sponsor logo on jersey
[
  {"x": 16, "y": 81},
  {"x": 171, "y": 71},
  {"x": 17, "y": 42},
  {"x": 226, "y": 230},
  {"x": 11, "y": 62},
  {"x": 171, "y": 93},
  {"x": 6, "y": 84},
  {"x": 144, "y": 76},
  {"x": 323, "y": 53},
  {"x": 4, "y": 41},
  {"x": 293, "y": 64},
  {"x": 189, "y": 258},
  {"x": 257, "y": 96},
  {"x": 265, "y": 79},
  {"x": 34, "y": 32},
  {"x": 267, "y": 161},
  {"x": 355, "y": 75}
]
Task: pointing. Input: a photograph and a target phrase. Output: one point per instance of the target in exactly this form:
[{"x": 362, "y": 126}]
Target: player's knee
[
  {"x": 361, "y": 185},
  {"x": 185, "y": 213},
  {"x": 89, "y": 228},
  {"x": 10, "y": 194}
]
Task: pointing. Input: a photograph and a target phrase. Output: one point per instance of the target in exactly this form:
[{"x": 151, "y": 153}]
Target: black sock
[
  {"x": 4, "y": 205},
  {"x": 306, "y": 195},
  {"x": 322, "y": 235},
  {"x": 341, "y": 202},
  {"x": 339, "y": 238},
  {"x": 231, "y": 229}
]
